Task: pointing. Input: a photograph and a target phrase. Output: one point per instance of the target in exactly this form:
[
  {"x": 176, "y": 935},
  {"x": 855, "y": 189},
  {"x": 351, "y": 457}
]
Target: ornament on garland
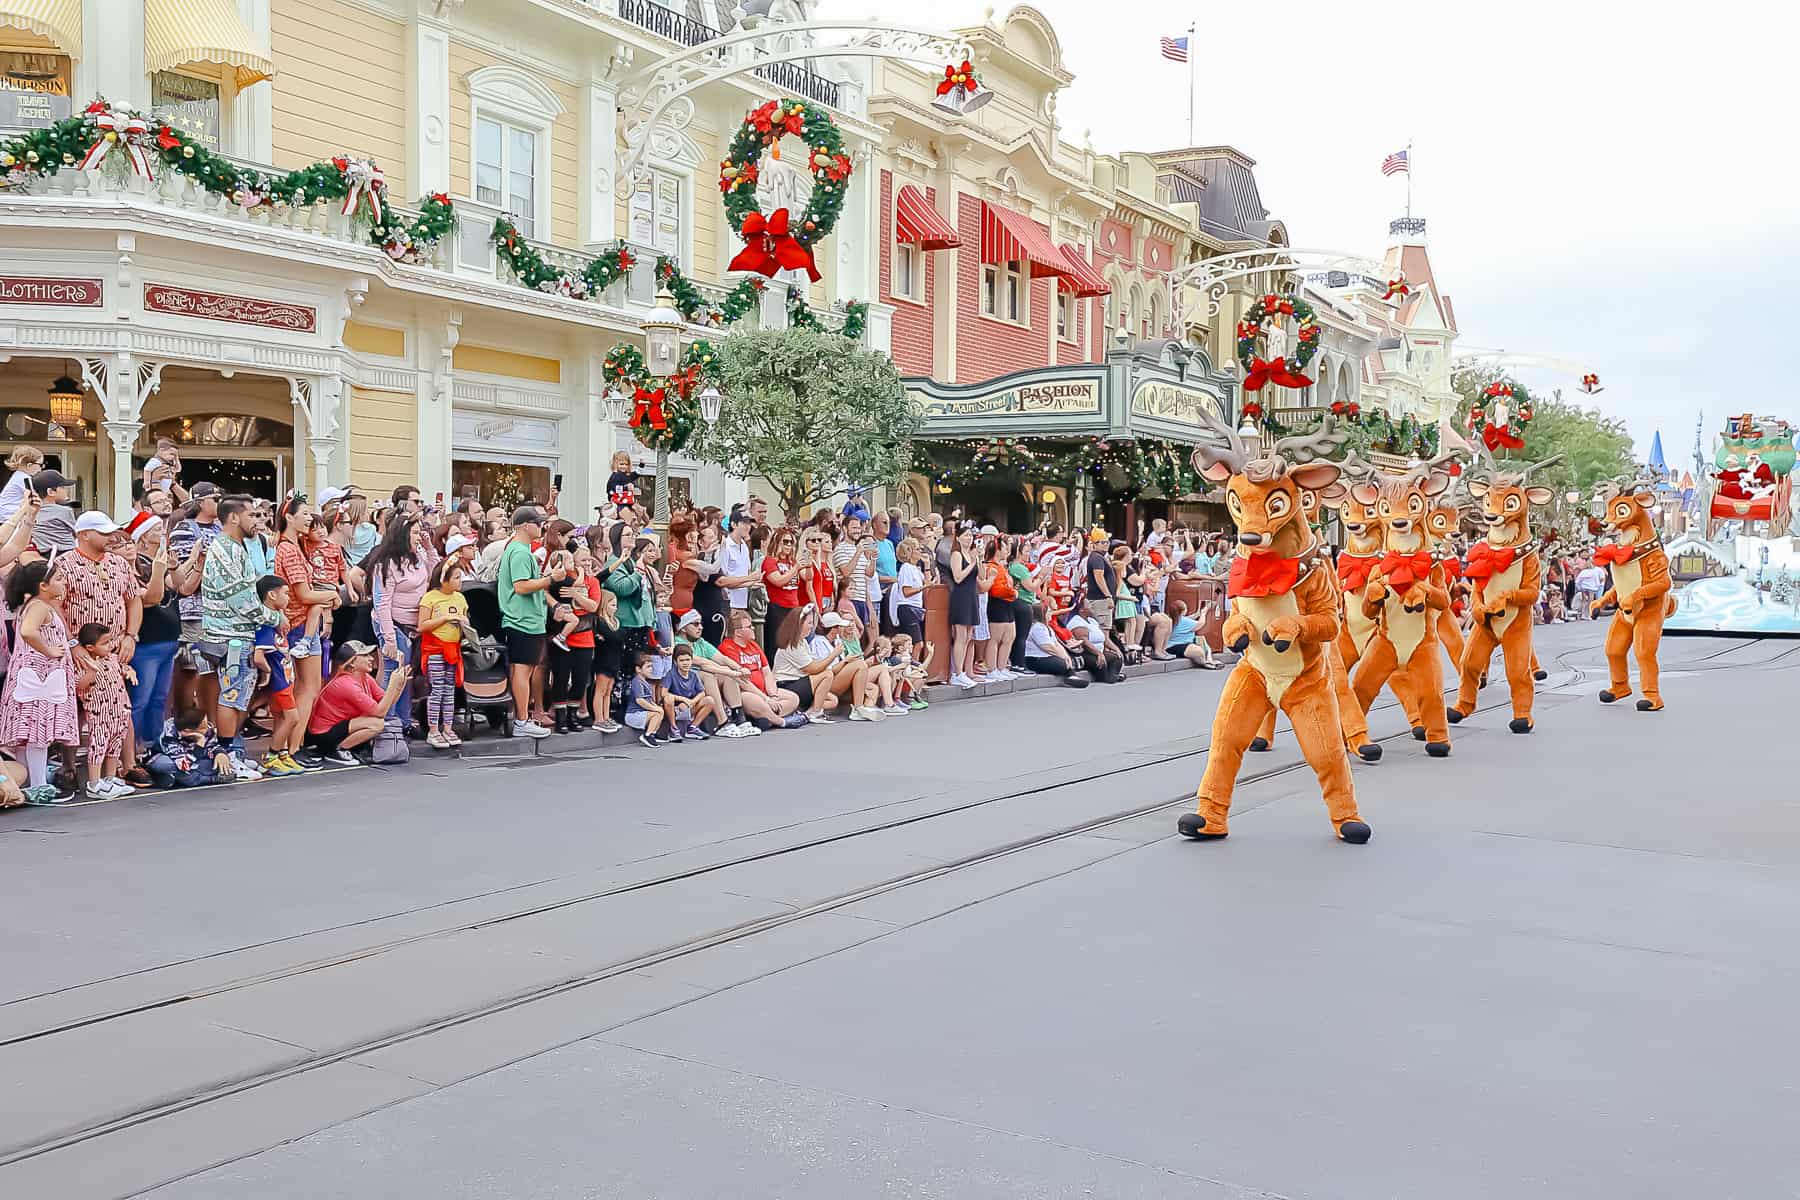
[
  {"x": 664, "y": 412},
  {"x": 1497, "y": 420},
  {"x": 530, "y": 268},
  {"x": 801, "y": 315},
  {"x": 1591, "y": 385},
  {"x": 1253, "y": 329},
  {"x": 769, "y": 244},
  {"x": 1397, "y": 287}
]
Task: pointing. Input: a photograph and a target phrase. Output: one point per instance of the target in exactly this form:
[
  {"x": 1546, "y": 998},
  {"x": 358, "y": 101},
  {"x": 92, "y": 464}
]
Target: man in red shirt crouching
[{"x": 350, "y": 710}]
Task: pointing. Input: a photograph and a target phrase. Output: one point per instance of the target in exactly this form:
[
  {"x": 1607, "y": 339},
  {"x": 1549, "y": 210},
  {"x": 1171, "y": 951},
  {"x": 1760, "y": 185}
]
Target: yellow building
[{"x": 280, "y": 345}]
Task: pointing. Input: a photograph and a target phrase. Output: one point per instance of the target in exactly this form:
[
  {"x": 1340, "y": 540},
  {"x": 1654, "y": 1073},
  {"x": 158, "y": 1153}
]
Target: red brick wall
[
  {"x": 913, "y": 333},
  {"x": 986, "y": 347}
]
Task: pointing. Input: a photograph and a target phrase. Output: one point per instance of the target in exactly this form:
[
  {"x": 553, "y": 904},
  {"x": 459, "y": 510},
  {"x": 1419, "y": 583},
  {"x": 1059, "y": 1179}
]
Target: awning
[
  {"x": 180, "y": 32},
  {"x": 1082, "y": 280},
  {"x": 58, "y": 20},
  {"x": 1006, "y": 236},
  {"x": 916, "y": 221}
]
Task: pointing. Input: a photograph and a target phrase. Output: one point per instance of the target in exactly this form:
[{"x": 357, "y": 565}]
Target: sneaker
[
  {"x": 750, "y": 729},
  {"x": 436, "y": 741},
  {"x": 918, "y": 705},
  {"x": 859, "y": 713},
  {"x": 530, "y": 729},
  {"x": 293, "y": 764},
  {"x": 307, "y": 760},
  {"x": 697, "y": 734},
  {"x": 963, "y": 682},
  {"x": 609, "y": 727},
  {"x": 819, "y": 719},
  {"x": 896, "y": 710},
  {"x": 795, "y": 721},
  {"x": 100, "y": 789},
  {"x": 242, "y": 768},
  {"x": 274, "y": 764},
  {"x": 647, "y": 739},
  {"x": 731, "y": 731},
  {"x": 45, "y": 794},
  {"x": 560, "y": 642},
  {"x": 342, "y": 758}
]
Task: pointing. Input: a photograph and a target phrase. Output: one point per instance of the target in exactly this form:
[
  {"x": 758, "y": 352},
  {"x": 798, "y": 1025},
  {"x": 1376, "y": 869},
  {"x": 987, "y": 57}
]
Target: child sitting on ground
[
  {"x": 188, "y": 755},
  {"x": 272, "y": 669},
  {"x": 685, "y": 704},
  {"x": 643, "y": 711},
  {"x": 100, "y": 682},
  {"x": 910, "y": 674}
]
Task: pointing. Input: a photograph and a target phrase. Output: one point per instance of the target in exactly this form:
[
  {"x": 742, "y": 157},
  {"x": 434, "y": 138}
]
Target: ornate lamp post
[{"x": 662, "y": 344}]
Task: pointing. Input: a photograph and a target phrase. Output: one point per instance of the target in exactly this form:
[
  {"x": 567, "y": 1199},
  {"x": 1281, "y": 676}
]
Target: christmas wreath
[
  {"x": 1497, "y": 420},
  {"x": 663, "y": 411},
  {"x": 779, "y": 241},
  {"x": 1252, "y": 330},
  {"x": 89, "y": 140}
]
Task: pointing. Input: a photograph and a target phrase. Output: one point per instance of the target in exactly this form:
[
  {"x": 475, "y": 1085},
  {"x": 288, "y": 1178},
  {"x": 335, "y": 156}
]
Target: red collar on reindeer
[
  {"x": 1403, "y": 570},
  {"x": 1620, "y": 552},
  {"x": 1487, "y": 560},
  {"x": 769, "y": 247},
  {"x": 1353, "y": 569},
  {"x": 1262, "y": 575}
]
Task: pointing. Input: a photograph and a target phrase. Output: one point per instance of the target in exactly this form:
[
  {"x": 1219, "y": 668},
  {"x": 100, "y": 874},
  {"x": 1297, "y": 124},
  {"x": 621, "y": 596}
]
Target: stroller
[{"x": 486, "y": 690}]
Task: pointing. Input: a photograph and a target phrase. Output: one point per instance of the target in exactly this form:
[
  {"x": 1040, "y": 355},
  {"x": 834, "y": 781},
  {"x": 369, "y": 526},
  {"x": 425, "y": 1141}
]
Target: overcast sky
[{"x": 1605, "y": 182}]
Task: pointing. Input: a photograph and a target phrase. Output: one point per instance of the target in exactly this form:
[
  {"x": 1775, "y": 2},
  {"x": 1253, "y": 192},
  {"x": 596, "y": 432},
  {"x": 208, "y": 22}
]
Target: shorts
[
  {"x": 302, "y": 645},
  {"x": 802, "y": 688},
  {"x": 637, "y": 718},
  {"x": 999, "y": 612},
  {"x": 331, "y": 739},
  {"x": 283, "y": 700},
  {"x": 236, "y": 669},
  {"x": 525, "y": 649},
  {"x": 1101, "y": 609},
  {"x": 863, "y": 612},
  {"x": 190, "y": 631}
]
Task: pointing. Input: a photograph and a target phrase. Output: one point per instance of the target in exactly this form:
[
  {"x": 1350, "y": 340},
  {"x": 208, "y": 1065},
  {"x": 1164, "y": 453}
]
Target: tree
[
  {"x": 812, "y": 413},
  {"x": 1593, "y": 447}
]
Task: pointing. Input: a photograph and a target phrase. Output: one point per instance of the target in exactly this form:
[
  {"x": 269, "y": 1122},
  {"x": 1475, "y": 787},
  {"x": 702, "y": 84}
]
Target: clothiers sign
[
  {"x": 30, "y": 289},
  {"x": 1173, "y": 402},
  {"x": 1057, "y": 397}
]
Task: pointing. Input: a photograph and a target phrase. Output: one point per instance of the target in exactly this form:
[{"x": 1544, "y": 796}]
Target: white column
[
  {"x": 123, "y": 382},
  {"x": 112, "y": 54},
  {"x": 856, "y": 238},
  {"x": 587, "y": 441},
  {"x": 324, "y": 432},
  {"x": 124, "y": 435},
  {"x": 436, "y": 338},
  {"x": 599, "y": 159},
  {"x": 428, "y": 107},
  {"x": 252, "y": 110}
]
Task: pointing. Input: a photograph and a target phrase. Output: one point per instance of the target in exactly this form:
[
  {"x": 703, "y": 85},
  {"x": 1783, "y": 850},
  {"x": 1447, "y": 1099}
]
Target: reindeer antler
[
  {"x": 1526, "y": 470},
  {"x": 1451, "y": 443},
  {"x": 1322, "y": 442},
  {"x": 1355, "y": 467},
  {"x": 1233, "y": 453}
]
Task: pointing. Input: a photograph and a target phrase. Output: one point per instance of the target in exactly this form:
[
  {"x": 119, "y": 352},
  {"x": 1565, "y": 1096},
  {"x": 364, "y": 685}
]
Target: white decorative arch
[{"x": 511, "y": 88}]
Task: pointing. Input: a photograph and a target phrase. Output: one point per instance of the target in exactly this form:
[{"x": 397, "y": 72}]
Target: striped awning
[
  {"x": 58, "y": 20},
  {"x": 180, "y": 32},
  {"x": 916, "y": 221},
  {"x": 1082, "y": 280},
  {"x": 1006, "y": 236}
]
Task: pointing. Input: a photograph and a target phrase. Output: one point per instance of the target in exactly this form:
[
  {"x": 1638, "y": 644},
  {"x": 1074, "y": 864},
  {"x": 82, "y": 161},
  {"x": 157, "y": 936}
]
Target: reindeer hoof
[
  {"x": 1520, "y": 725},
  {"x": 1607, "y": 697},
  {"x": 1483, "y": 682},
  {"x": 1369, "y": 753},
  {"x": 1241, "y": 644},
  {"x": 1438, "y": 749},
  {"x": 1193, "y": 825},
  {"x": 1258, "y": 745},
  {"x": 1418, "y": 733},
  {"x": 1354, "y": 832},
  {"x": 1649, "y": 706},
  {"x": 1455, "y": 715},
  {"x": 1540, "y": 674}
]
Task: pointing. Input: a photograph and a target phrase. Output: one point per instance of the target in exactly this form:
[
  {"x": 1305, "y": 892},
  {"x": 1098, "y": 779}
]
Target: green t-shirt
[
  {"x": 527, "y": 613},
  {"x": 1021, "y": 575},
  {"x": 700, "y": 646}
]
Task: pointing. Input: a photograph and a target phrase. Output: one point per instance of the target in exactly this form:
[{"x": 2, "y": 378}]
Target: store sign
[
  {"x": 1173, "y": 402},
  {"x": 480, "y": 431},
  {"x": 34, "y": 89},
  {"x": 238, "y": 310},
  {"x": 67, "y": 293},
  {"x": 1057, "y": 398}
]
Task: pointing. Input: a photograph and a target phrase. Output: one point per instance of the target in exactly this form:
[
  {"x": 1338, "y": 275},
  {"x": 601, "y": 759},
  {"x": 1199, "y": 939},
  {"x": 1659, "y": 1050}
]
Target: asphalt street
[{"x": 959, "y": 954}]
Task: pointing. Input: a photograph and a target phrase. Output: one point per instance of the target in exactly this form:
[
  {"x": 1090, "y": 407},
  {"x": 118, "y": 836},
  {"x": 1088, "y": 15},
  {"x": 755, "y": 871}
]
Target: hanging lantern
[
  {"x": 662, "y": 334},
  {"x": 617, "y": 404},
  {"x": 66, "y": 398},
  {"x": 710, "y": 400}
]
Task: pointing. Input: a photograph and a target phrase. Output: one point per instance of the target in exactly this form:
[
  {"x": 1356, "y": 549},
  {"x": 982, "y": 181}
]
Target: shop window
[
  {"x": 189, "y": 105},
  {"x": 654, "y": 213},
  {"x": 506, "y": 170},
  {"x": 1065, "y": 316},
  {"x": 681, "y": 494},
  {"x": 34, "y": 89},
  {"x": 1003, "y": 291},
  {"x": 499, "y": 485},
  {"x": 223, "y": 429},
  {"x": 908, "y": 282}
]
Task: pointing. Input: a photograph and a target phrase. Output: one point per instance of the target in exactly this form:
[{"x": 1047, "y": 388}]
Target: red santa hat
[{"x": 139, "y": 525}]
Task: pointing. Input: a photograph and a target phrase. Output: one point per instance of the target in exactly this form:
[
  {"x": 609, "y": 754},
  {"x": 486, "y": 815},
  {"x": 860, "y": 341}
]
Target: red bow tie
[
  {"x": 1404, "y": 570},
  {"x": 1453, "y": 568},
  {"x": 1353, "y": 570},
  {"x": 1487, "y": 560},
  {"x": 1276, "y": 372},
  {"x": 769, "y": 247},
  {"x": 648, "y": 406},
  {"x": 1615, "y": 553},
  {"x": 1262, "y": 575}
]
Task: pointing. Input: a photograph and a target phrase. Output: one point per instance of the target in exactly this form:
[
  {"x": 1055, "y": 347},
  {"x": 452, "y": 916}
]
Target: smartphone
[
  {"x": 556, "y": 481},
  {"x": 30, "y": 487},
  {"x": 438, "y": 504}
]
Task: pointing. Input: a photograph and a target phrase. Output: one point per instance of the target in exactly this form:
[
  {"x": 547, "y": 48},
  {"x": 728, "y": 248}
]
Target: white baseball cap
[
  {"x": 831, "y": 620},
  {"x": 331, "y": 494},
  {"x": 455, "y": 542},
  {"x": 94, "y": 521}
]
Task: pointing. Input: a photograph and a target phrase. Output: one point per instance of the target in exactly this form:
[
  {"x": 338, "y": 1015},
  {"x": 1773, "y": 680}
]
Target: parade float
[{"x": 1743, "y": 575}]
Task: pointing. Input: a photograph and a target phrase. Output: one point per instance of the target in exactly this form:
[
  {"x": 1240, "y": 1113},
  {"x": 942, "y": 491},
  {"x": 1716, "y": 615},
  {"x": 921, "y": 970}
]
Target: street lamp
[
  {"x": 710, "y": 399},
  {"x": 662, "y": 335},
  {"x": 1252, "y": 436},
  {"x": 617, "y": 403}
]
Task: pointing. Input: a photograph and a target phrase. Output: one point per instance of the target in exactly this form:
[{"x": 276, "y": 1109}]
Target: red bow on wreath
[
  {"x": 1276, "y": 372},
  {"x": 648, "y": 406},
  {"x": 1396, "y": 287},
  {"x": 1496, "y": 436},
  {"x": 957, "y": 77},
  {"x": 1346, "y": 408},
  {"x": 769, "y": 247}
]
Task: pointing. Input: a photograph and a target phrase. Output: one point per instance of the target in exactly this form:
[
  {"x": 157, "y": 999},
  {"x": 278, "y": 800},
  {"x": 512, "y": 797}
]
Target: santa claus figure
[
  {"x": 1758, "y": 476},
  {"x": 1731, "y": 479}
]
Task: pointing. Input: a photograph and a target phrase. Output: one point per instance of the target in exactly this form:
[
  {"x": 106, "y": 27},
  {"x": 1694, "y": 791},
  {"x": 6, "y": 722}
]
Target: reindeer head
[
  {"x": 1626, "y": 508},
  {"x": 1506, "y": 497},
  {"x": 1267, "y": 494},
  {"x": 1360, "y": 518},
  {"x": 1404, "y": 502},
  {"x": 1444, "y": 518}
]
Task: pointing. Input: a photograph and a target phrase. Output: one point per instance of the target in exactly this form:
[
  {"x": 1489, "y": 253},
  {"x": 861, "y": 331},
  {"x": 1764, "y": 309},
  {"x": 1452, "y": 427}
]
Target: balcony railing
[{"x": 665, "y": 22}]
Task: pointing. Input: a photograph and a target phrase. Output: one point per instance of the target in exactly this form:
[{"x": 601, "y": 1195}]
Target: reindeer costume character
[
  {"x": 1641, "y": 589},
  {"x": 1406, "y": 596},
  {"x": 1507, "y": 575},
  {"x": 1283, "y": 620}
]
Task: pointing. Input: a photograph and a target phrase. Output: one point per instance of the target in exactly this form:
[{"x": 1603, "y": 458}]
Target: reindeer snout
[
  {"x": 1403, "y": 526},
  {"x": 1494, "y": 518},
  {"x": 1252, "y": 539}
]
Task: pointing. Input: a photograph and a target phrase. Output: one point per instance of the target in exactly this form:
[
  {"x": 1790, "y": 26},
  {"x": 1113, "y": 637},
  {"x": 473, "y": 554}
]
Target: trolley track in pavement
[{"x": 601, "y": 974}]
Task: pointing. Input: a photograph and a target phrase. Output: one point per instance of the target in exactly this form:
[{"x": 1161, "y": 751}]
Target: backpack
[{"x": 390, "y": 746}]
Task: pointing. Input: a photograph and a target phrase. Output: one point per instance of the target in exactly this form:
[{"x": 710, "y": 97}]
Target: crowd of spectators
[{"x": 332, "y": 630}]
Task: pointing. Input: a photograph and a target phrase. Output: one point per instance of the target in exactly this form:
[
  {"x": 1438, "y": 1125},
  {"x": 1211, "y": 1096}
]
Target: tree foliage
[
  {"x": 1593, "y": 447},
  {"x": 812, "y": 413}
]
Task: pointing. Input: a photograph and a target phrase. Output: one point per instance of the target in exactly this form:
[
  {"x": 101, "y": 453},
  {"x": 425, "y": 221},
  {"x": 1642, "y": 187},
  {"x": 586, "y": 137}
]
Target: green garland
[
  {"x": 624, "y": 367},
  {"x": 137, "y": 141},
  {"x": 693, "y": 306},
  {"x": 801, "y": 315},
  {"x": 762, "y": 129},
  {"x": 1143, "y": 463},
  {"x": 531, "y": 269}
]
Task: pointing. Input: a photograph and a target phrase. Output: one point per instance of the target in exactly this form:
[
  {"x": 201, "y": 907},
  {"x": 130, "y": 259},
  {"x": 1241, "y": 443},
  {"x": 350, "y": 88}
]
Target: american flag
[
  {"x": 1395, "y": 164},
  {"x": 1175, "y": 48}
]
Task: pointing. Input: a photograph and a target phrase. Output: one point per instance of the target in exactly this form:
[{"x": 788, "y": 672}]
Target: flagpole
[
  {"x": 1409, "y": 173},
  {"x": 1193, "y": 49}
]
